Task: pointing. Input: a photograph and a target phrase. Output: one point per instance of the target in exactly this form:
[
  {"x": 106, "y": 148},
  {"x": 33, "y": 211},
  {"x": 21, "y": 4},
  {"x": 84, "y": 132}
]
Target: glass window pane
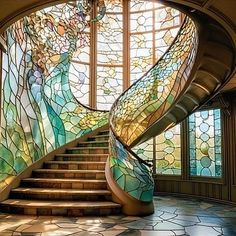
[
  {"x": 205, "y": 143},
  {"x": 109, "y": 86},
  {"x": 145, "y": 150},
  {"x": 168, "y": 152},
  {"x": 110, "y": 56}
]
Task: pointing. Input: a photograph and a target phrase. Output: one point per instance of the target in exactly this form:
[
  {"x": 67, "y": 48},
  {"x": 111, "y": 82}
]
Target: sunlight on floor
[{"x": 173, "y": 216}]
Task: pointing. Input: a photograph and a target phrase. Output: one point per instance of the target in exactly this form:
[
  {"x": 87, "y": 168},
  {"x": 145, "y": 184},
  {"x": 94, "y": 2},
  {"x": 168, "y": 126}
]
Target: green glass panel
[
  {"x": 39, "y": 110},
  {"x": 168, "y": 152},
  {"x": 205, "y": 143}
]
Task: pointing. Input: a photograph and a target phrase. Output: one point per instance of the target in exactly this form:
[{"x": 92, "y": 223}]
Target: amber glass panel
[
  {"x": 168, "y": 152},
  {"x": 153, "y": 94}
]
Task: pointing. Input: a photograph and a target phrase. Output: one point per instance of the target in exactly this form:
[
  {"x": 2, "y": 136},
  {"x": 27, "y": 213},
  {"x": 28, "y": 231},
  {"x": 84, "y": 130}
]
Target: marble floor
[{"x": 173, "y": 216}]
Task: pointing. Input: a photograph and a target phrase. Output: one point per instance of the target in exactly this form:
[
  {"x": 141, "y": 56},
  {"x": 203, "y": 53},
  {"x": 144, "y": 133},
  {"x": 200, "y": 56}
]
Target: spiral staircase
[{"x": 195, "y": 68}]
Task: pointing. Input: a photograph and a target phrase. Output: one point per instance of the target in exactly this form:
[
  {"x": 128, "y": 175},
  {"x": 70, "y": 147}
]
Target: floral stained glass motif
[
  {"x": 168, "y": 152},
  {"x": 205, "y": 143},
  {"x": 39, "y": 111}
]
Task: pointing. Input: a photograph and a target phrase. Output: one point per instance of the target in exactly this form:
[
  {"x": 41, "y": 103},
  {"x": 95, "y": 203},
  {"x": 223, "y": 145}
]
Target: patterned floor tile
[{"x": 172, "y": 217}]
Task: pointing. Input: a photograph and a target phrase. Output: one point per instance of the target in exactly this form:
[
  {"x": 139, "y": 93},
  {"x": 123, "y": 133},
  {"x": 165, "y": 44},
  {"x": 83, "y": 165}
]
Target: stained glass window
[
  {"x": 153, "y": 28},
  {"x": 205, "y": 143},
  {"x": 145, "y": 150},
  {"x": 79, "y": 71},
  {"x": 47, "y": 71},
  {"x": 168, "y": 152},
  {"x": 149, "y": 36},
  {"x": 110, "y": 56}
]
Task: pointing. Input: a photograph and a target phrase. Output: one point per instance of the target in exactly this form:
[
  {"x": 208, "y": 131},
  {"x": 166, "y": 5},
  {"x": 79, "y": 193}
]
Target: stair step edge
[
  {"x": 82, "y": 154},
  {"x": 75, "y": 162},
  {"x": 75, "y": 148},
  {"x": 58, "y": 191},
  {"x": 60, "y": 204},
  {"x": 93, "y": 141},
  {"x": 64, "y": 180},
  {"x": 70, "y": 171}
]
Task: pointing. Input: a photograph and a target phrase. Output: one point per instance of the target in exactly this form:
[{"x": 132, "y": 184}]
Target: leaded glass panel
[
  {"x": 109, "y": 85},
  {"x": 145, "y": 150},
  {"x": 153, "y": 28},
  {"x": 205, "y": 143},
  {"x": 168, "y": 152},
  {"x": 110, "y": 56}
]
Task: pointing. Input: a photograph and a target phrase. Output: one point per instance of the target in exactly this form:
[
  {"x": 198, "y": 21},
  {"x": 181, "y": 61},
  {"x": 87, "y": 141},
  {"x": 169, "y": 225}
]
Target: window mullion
[
  {"x": 185, "y": 149},
  {"x": 154, "y": 156},
  {"x": 93, "y": 57},
  {"x": 126, "y": 44}
]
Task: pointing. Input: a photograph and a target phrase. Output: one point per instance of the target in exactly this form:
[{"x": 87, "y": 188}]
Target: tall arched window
[{"x": 120, "y": 48}]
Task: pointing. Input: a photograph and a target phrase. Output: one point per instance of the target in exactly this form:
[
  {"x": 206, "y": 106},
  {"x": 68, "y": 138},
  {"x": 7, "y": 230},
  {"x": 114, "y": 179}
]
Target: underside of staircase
[{"x": 73, "y": 184}]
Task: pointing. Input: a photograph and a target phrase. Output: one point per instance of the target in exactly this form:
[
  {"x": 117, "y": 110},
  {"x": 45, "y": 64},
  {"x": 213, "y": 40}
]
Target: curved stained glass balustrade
[
  {"x": 130, "y": 174},
  {"x": 138, "y": 108},
  {"x": 40, "y": 112}
]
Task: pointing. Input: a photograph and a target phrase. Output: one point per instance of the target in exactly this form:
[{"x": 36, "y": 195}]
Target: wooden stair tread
[
  {"x": 78, "y": 189},
  {"x": 64, "y": 191},
  {"x": 94, "y": 141},
  {"x": 101, "y": 135},
  {"x": 59, "y": 204},
  {"x": 68, "y": 171},
  {"x": 82, "y": 154},
  {"x": 52, "y": 180},
  {"x": 75, "y": 148},
  {"x": 75, "y": 162}
]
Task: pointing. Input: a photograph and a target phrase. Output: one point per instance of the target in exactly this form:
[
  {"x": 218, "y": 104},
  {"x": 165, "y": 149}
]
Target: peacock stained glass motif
[
  {"x": 39, "y": 111},
  {"x": 205, "y": 143},
  {"x": 168, "y": 152}
]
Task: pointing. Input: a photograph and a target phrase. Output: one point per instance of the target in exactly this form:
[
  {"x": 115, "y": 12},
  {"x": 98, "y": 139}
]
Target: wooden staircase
[{"x": 73, "y": 184}]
